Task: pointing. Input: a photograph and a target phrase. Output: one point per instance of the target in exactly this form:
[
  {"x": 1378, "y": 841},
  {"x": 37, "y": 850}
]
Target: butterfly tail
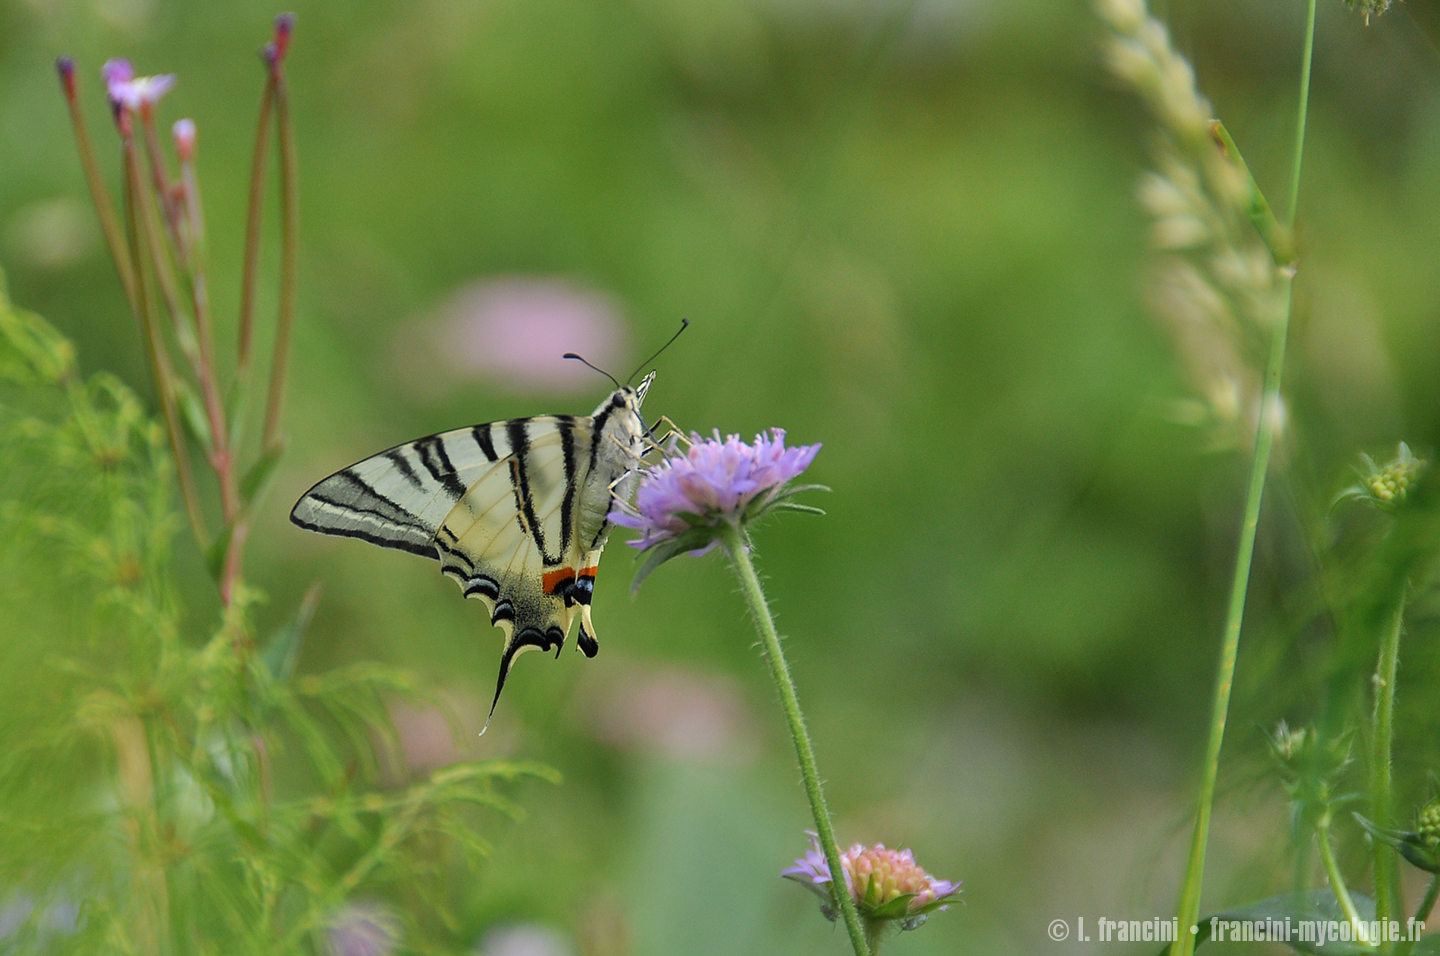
[
  {"x": 517, "y": 643},
  {"x": 588, "y": 644}
]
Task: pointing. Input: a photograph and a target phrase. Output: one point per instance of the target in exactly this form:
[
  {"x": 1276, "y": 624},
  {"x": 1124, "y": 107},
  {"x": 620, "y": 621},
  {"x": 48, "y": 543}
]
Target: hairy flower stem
[
  {"x": 1427, "y": 903},
  {"x": 1422, "y": 914},
  {"x": 1386, "y": 875},
  {"x": 1337, "y": 882},
  {"x": 739, "y": 551},
  {"x": 1189, "y": 909}
]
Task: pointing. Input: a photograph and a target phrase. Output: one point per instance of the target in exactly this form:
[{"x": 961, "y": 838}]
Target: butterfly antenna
[
  {"x": 684, "y": 324},
  {"x": 581, "y": 360}
]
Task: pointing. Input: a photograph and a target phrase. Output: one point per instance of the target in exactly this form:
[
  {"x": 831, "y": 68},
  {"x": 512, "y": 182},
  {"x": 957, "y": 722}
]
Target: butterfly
[{"x": 515, "y": 511}]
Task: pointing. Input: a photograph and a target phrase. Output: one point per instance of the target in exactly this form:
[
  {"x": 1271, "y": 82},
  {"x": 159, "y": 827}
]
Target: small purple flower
[
  {"x": 886, "y": 884},
  {"x": 131, "y": 92},
  {"x": 714, "y": 481},
  {"x": 363, "y": 928}
]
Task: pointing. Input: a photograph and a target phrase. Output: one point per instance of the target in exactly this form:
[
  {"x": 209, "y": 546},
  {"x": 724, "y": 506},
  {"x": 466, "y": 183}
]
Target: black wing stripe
[
  {"x": 457, "y": 555},
  {"x": 524, "y": 499},
  {"x": 566, "y": 424},
  {"x": 481, "y": 434},
  {"x": 398, "y": 458},
  {"x": 371, "y": 497},
  {"x": 346, "y": 509},
  {"x": 433, "y": 457},
  {"x": 399, "y": 544}
]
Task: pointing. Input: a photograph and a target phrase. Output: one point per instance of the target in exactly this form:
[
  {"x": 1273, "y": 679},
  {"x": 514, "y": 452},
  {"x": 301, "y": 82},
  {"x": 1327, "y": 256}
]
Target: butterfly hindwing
[
  {"x": 515, "y": 511},
  {"x": 511, "y": 538}
]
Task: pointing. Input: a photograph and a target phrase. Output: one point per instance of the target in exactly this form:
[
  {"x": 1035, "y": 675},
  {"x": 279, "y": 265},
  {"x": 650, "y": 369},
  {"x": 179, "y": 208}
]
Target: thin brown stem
[
  {"x": 99, "y": 195},
  {"x": 169, "y": 287},
  {"x": 160, "y": 177},
  {"x": 222, "y": 456},
  {"x": 289, "y": 236},
  {"x": 252, "y": 234},
  {"x": 159, "y": 358}
]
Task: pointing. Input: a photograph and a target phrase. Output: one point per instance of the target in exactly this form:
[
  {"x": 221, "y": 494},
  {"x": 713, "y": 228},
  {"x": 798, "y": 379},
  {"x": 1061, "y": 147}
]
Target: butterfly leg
[{"x": 674, "y": 435}]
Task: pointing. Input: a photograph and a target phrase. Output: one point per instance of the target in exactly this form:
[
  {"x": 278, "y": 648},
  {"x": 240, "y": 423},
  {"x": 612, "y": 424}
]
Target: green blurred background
[{"x": 907, "y": 231}]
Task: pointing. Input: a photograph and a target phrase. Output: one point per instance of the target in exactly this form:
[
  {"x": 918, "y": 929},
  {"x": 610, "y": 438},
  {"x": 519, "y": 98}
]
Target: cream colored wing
[{"x": 510, "y": 539}]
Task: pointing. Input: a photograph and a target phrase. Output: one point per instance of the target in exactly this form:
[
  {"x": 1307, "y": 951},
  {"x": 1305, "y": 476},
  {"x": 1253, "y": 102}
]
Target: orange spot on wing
[
  {"x": 554, "y": 579},
  {"x": 590, "y": 571}
]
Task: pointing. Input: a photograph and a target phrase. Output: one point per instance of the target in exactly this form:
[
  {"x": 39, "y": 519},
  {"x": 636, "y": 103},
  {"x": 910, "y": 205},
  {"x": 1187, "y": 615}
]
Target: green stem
[
  {"x": 1264, "y": 439},
  {"x": 1422, "y": 912},
  {"x": 1382, "y": 740},
  {"x": 1189, "y": 908},
  {"x": 874, "y": 935},
  {"x": 1337, "y": 882},
  {"x": 1303, "y": 111},
  {"x": 739, "y": 551}
]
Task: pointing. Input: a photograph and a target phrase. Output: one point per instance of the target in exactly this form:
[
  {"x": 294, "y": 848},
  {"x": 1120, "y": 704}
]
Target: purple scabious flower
[
  {"x": 683, "y": 500},
  {"x": 887, "y": 885},
  {"x": 712, "y": 481}
]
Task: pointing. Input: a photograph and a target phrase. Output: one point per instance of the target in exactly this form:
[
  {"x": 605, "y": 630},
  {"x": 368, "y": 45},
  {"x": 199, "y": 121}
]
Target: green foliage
[{"x": 137, "y": 802}]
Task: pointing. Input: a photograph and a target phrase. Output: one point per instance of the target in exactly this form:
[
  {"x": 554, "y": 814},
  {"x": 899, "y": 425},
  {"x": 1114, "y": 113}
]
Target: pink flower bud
[{"x": 184, "y": 133}]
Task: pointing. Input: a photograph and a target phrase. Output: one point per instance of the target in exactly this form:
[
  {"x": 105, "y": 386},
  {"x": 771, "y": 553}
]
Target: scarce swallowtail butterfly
[{"x": 514, "y": 511}]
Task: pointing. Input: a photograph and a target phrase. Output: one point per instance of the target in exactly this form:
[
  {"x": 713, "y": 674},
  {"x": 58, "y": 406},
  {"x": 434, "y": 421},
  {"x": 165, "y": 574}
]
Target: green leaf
[
  {"x": 692, "y": 540},
  {"x": 215, "y": 555},
  {"x": 283, "y": 650},
  {"x": 895, "y": 909},
  {"x": 258, "y": 477},
  {"x": 795, "y": 506},
  {"x": 1407, "y": 842},
  {"x": 800, "y": 489},
  {"x": 1314, "y": 906},
  {"x": 193, "y": 414}
]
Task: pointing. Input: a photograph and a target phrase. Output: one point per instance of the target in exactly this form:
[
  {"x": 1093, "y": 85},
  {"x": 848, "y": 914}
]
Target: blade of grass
[{"x": 1189, "y": 908}]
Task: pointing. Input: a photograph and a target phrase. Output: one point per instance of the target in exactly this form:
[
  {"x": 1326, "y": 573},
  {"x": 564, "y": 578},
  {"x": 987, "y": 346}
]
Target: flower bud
[
  {"x": 184, "y": 133},
  {"x": 65, "y": 66},
  {"x": 1368, "y": 7},
  {"x": 1385, "y": 486},
  {"x": 284, "y": 26},
  {"x": 1427, "y": 824}
]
